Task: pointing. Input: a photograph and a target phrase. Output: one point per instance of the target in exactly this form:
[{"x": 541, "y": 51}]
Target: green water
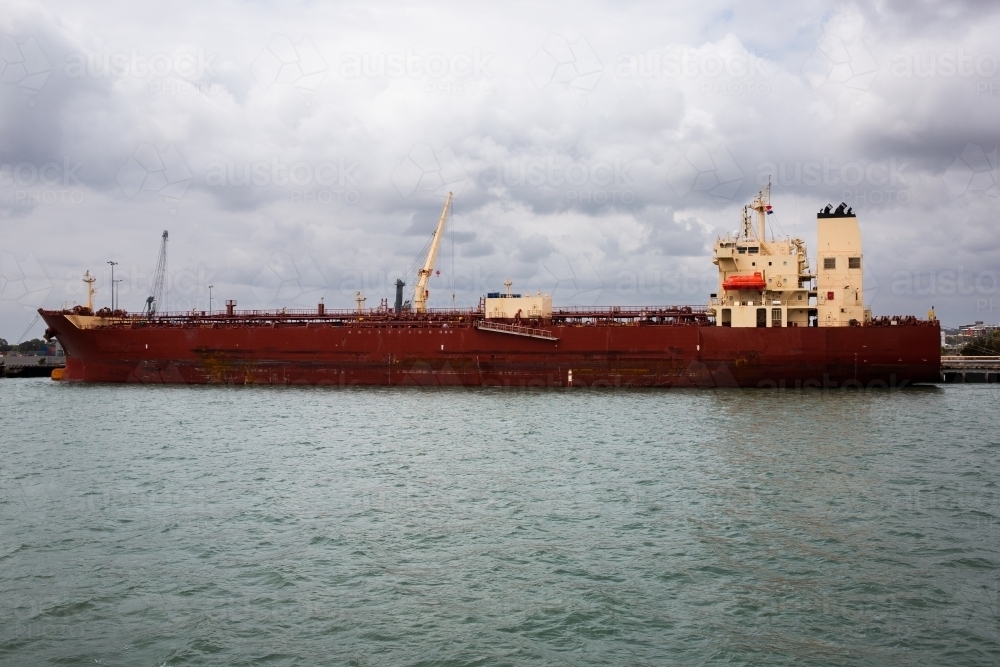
[{"x": 294, "y": 526}]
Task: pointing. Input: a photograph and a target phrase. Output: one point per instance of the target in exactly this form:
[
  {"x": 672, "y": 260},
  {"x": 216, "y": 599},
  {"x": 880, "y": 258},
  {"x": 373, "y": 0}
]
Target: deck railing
[
  {"x": 513, "y": 329},
  {"x": 690, "y": 315}
]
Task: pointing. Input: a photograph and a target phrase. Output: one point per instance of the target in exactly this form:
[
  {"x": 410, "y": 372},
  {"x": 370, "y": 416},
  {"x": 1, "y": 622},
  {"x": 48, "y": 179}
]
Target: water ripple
[{"x": 300, "y": 526}]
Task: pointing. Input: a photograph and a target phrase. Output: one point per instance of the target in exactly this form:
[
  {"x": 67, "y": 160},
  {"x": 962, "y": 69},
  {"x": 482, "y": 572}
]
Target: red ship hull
[{"x": 460, "y": 354}]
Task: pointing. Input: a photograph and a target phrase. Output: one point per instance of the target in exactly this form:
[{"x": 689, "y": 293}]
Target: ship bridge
[{"x": 767, "y": 282}]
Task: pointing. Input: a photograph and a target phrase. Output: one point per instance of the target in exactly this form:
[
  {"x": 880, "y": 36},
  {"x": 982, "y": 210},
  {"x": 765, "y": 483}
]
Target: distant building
[{"x": 976, "y": 330}]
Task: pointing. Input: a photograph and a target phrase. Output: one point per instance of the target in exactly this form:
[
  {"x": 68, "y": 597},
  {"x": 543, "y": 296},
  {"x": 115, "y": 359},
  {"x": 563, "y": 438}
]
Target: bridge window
[
  {"x": 854, "y": 262},
  {"x": 829, "y": 263}
]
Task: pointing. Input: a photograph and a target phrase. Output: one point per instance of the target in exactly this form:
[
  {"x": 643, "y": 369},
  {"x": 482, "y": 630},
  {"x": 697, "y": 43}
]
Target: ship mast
[
  {"x": 420, "y": 292},
  {"x": 759, "y": 204},
  {"x": 89, "y": 279}
]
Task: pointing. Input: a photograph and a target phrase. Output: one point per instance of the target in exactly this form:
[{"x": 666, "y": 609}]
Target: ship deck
[{"x": 611, "y": 315}]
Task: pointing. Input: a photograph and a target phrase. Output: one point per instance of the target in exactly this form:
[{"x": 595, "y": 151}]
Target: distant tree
[
  {"x": 33, "y": 345},
  {"x": 4, "y": 345},
  {"x": 981, "y": 346}
]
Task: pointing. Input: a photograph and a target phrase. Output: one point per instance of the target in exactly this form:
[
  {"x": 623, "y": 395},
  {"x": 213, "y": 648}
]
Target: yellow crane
[{"x": 420, "y": 292}]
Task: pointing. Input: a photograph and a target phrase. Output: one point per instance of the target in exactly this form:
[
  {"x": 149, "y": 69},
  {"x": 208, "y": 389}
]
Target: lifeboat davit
[{"x": 754, "y": 282}]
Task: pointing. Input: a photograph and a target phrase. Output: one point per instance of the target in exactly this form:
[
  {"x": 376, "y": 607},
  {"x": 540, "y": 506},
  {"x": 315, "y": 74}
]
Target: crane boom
[
  {"x": 420, "y": 292},
  {"x": 156, "y": 299}
]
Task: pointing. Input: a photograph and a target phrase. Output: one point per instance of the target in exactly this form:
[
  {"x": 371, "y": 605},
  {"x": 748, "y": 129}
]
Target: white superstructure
[
  {"x": 767, "y": 282},
  {"x": 510, "y": 306}
]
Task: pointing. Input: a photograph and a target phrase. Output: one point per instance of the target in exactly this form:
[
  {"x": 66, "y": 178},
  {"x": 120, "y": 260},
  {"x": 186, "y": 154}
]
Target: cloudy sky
[{"x": 303, "y": 151}]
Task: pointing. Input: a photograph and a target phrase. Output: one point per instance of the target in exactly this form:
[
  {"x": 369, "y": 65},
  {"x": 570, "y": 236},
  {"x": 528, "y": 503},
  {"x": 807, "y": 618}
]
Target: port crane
[
  {"x": 420, "y": 292},
  {"x": 155, "y": 299}
]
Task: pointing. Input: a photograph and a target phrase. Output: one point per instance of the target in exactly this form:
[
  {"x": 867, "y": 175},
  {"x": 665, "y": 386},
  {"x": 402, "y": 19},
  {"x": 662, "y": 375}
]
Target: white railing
[{"x": 498, "y": 327}]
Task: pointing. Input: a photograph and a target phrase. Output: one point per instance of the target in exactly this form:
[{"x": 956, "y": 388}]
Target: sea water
[{"x": 177, "y": 525}]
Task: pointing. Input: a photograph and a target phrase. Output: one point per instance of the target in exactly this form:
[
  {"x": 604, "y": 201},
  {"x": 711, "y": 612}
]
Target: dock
[
  {"x": 29, "y": 366},
  {"x": 960, "y": 370}
]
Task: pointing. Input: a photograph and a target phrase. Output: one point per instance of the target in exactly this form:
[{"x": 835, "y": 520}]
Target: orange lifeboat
[{"x": 754, "y": 282}]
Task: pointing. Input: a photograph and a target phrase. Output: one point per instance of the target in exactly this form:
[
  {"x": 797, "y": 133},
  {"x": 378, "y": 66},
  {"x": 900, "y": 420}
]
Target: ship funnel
[
  {"x": 399, "y": 296},
  {"x": 842, "y": 211}
]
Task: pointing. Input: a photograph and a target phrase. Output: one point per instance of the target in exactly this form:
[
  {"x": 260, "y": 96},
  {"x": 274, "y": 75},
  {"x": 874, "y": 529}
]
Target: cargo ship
[{"x": 773, "y": 322}]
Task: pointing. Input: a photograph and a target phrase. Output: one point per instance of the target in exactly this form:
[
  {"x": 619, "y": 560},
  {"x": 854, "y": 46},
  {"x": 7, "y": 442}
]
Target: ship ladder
[{"x": 498, "y": 327}]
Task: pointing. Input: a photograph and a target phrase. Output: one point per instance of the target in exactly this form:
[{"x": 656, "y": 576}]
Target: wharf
[
  {"x": 29, "y": 366},
  {"x": 959, "y": 370}
]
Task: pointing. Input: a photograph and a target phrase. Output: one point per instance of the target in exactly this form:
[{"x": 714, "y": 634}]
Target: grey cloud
[
  {"x": 533, "y": 248},
  {"x": 478, "y": 249},
  {"x": 671, "y": 235}
]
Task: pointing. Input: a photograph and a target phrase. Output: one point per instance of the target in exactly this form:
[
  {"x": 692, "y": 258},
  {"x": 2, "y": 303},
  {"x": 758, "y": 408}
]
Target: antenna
[
  {"x": 158, "y": 293},
  {"x": 761, "y": 204},
  {"x": 762, "y": 215},
  {"x": 452, "y": 257},
  {"x": 90, "y": 280}
]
